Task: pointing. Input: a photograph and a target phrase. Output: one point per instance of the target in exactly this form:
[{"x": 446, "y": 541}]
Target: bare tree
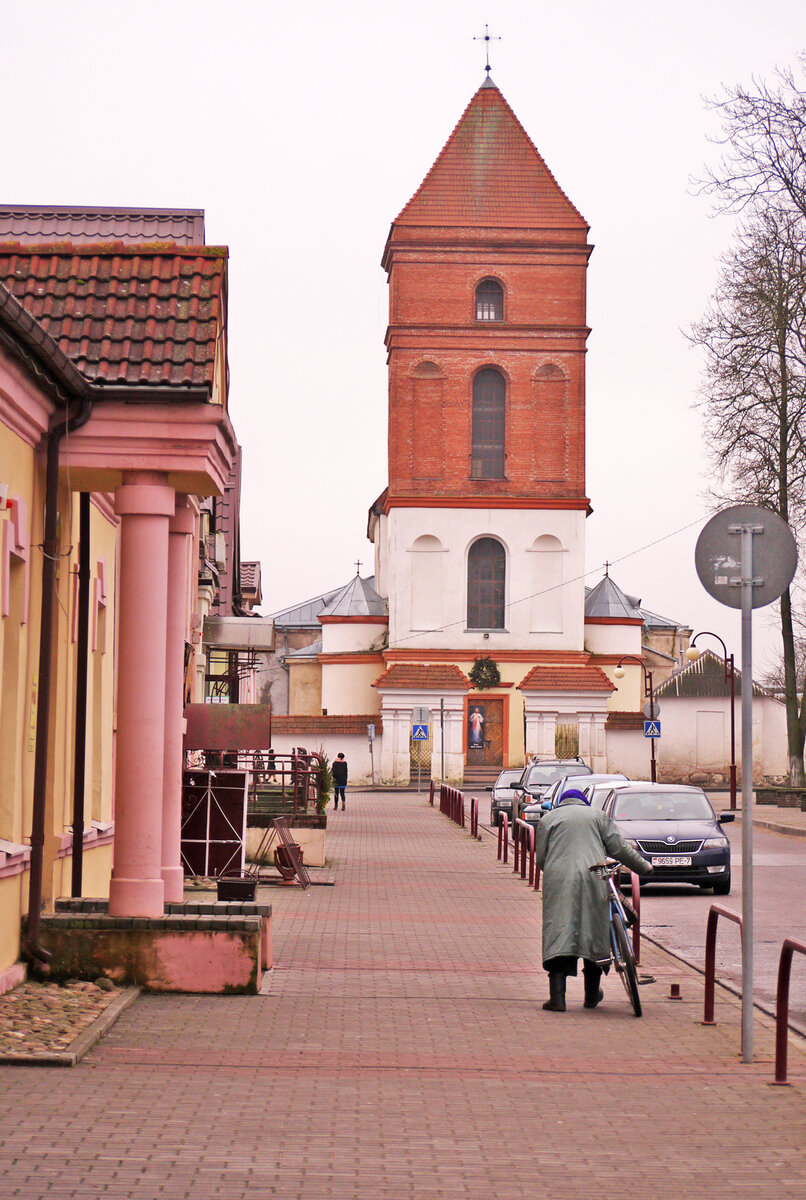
[
  {"x": 764, "y": 136},
  {"x": 754, "y": 396}
]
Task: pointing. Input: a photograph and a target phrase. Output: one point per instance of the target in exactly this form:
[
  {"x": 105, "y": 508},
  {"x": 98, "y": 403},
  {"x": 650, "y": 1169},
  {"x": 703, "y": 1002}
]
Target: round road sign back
[{"x": 718, "y": 555}]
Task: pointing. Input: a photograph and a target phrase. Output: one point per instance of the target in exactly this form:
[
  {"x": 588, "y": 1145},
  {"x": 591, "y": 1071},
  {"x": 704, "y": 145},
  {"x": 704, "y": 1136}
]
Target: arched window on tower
[
  {"x": 486, "y": 584},
  {"x": 489, "y": 405},
  {"x": 489, "y": 301}
]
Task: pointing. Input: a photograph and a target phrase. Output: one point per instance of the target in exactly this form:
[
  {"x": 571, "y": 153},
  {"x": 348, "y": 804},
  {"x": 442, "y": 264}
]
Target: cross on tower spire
[
  {"x": 488, "y": 37},
  {"x": 358, "y": 566}
]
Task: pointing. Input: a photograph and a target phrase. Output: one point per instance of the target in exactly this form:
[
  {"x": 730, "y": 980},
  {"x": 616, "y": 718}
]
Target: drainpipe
[
  {"x": 50, "y": 550},
  {"x": 82, "y": 665}
]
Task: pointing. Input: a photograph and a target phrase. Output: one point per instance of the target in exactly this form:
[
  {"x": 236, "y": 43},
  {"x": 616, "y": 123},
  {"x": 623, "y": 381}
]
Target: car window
[
  {"x": 543, "y": 773},
  {"x": 662, "y": 806},
  {"x": 507, "y": 779}
]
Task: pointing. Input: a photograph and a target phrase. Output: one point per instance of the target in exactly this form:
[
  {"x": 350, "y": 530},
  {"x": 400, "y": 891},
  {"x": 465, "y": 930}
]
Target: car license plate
[{"x": 670, "y": 860}]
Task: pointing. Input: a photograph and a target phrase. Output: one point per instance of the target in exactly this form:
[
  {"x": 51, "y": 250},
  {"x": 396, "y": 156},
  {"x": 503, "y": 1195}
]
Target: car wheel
[
  {"x": 722, "y": 888},
  {"x": 496, "y": 819}
]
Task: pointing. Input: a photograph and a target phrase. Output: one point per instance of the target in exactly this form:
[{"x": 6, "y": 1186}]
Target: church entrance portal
[{"x": 485, "y": 733}]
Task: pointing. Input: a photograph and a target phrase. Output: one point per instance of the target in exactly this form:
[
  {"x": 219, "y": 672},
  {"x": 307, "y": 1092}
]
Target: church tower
[{"x": 479, "y": 537}]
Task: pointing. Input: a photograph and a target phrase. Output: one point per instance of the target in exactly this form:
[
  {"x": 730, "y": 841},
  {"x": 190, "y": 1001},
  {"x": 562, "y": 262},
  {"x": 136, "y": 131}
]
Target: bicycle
[{"x": 620, "y": 946}]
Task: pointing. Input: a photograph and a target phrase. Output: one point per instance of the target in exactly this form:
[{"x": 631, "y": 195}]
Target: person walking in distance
[
  {"x": 339, "y": 780},
  {"x": 570, "y": 839}
]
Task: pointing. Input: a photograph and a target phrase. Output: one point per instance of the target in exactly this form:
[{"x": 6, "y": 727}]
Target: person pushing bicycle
[{"x": 576, "y": 923}]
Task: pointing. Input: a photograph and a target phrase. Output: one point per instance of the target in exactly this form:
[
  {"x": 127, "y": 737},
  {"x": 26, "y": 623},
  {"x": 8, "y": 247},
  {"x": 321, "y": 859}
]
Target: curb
[{"x": 88, "y": 1037}]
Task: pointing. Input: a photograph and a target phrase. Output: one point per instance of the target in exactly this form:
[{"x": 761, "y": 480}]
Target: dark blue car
[{"x": 676, "y": 828}]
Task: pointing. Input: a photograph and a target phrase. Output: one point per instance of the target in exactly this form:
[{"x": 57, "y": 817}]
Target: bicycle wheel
[{"x": 625, "y": 962}]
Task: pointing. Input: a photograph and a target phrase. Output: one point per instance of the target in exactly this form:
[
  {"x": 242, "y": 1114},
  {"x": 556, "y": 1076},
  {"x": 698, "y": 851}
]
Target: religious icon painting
[{"x": 475, "y": 727}]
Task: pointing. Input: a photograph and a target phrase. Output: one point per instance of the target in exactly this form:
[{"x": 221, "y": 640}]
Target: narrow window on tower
[
  {"x": 489, "y": 402},
  {"x": 489, "y": 301},
  {"x": 486, "y": 582}
]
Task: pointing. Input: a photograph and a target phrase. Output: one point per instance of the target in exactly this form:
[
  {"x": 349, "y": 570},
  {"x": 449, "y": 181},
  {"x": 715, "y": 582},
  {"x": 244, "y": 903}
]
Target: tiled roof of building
[
  {"x": 703, "y": 678},
  {"x": 624, "y": 720},
  {"x": 424, "y": 676},
  {"x": 65, "y": 223},
  {"x": 357, "y": 598},
  {"x": 489, "y": 173},
  {"x": 299, "y": 726},
  {"x": 125, "y": 315},
  {"x": 566, "y": 679}
]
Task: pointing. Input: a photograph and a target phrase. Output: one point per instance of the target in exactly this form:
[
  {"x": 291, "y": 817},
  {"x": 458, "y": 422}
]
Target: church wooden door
[{"x": 485, "y": 733}]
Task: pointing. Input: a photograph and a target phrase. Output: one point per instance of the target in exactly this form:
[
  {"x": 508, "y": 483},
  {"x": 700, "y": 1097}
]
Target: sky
[{"x": 303, "y": 130}]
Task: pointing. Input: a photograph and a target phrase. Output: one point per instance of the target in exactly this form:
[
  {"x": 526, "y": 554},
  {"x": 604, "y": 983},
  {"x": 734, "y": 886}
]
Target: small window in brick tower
[
  {"x": 489, "y": 301},
  {"x": 486, "y": 581},
  {"x": 489, "y": 402}
]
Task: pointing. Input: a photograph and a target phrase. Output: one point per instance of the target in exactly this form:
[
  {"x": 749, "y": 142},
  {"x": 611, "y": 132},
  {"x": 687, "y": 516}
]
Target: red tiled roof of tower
[
  {"x": 489, "y": 173},
  {"x": 566, "y": 679},
  {"x": 125, "y": 314},
  {"x": 423, "y": 676}
]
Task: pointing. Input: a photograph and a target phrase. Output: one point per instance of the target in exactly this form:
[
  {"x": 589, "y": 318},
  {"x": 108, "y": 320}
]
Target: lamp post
[
  {"x": 648, "y": 693},
  {"x": 693, "y": 654}
]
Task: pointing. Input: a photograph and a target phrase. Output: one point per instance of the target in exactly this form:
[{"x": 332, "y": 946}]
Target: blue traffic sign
[
  {"x": 419, "y": 733},
  {"x": 652, "y": 729}
]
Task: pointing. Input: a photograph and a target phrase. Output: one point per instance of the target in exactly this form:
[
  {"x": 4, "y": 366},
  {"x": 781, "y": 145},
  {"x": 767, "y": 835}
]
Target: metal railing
[
  {"x": 790, "y": 947},
  {"x": 452, "y": 804},
  {"x": 503, "y": 837},
  {"x": 714, "y": 913},
  {"x": 522, "y": 828},
  {"x": 635, "y": 900},
  {"x": 474, "y": 817}
]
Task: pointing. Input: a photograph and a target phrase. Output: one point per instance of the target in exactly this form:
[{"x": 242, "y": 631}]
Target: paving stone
[{"x": 400, "y": 1050}]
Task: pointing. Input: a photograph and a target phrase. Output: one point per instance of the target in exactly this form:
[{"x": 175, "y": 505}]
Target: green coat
[{"x": 570, "y": 839}]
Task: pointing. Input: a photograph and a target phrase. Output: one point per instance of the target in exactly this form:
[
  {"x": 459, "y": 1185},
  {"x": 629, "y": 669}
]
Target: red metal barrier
[
  {"x": 714, "y": 913},
  {"x": 522, "y": 828},
  {"x": 503, "y": 837},
  {"x": 789, "y": 947}
]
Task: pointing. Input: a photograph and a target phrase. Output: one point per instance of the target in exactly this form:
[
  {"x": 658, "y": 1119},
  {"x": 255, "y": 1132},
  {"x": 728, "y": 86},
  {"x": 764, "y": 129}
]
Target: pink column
[
  {"x": 145, "y": 504},
  {"x": 180, "y": 529}
]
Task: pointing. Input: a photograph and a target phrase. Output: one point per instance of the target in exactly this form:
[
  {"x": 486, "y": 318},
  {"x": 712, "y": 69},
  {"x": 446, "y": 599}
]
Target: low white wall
[
  {"x": 310, "y": 841},
  {"x": 628, "y": 753},
  {"x": 354, "y": 747}
]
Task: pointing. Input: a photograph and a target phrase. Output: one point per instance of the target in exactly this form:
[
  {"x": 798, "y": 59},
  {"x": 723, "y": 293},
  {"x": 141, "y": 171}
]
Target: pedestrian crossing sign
[
  {"x": 419, "y": 733},
  {"x": 652, "y": 729}
]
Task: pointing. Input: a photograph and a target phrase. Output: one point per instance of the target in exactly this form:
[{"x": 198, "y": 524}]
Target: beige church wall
[
  {"x": 695, "y": 739},
  {"x": 347, "y": 688},
  {"x": 629, "y": 694},
  {"x": 613, "y": 639},
  {"x": 520, "y": 532},
  {"x": 305, "y": 688},
  {"x": 346, "y": 637}
]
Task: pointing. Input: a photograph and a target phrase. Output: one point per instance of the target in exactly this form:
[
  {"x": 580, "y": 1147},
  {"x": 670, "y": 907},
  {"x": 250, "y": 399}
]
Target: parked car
[
  {"x": 593, "y": 787},
  {"x": 676, "y": 828},
  {"x": 503, "y": 797},
  {"x": 538, "y": 777}
]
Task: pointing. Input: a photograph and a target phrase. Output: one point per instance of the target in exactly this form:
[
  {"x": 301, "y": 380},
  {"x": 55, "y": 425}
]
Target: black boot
[
  {"x": 593, "y": 977},
  {"x": 556, "y": 1001}
]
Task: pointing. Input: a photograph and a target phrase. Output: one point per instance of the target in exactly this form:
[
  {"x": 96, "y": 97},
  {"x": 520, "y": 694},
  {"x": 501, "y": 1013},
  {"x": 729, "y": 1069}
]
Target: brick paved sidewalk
[{"x": 400, "y": 1050}]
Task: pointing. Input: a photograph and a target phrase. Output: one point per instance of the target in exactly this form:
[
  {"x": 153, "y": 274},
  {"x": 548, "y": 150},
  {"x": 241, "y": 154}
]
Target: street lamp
[
  {"x": 650, "y": 695},
  {"x": 693, "y": 654}
]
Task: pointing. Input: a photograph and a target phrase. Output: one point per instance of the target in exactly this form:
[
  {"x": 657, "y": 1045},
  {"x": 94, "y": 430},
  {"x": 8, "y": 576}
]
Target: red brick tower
[{"x": 488, "y": 210}]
